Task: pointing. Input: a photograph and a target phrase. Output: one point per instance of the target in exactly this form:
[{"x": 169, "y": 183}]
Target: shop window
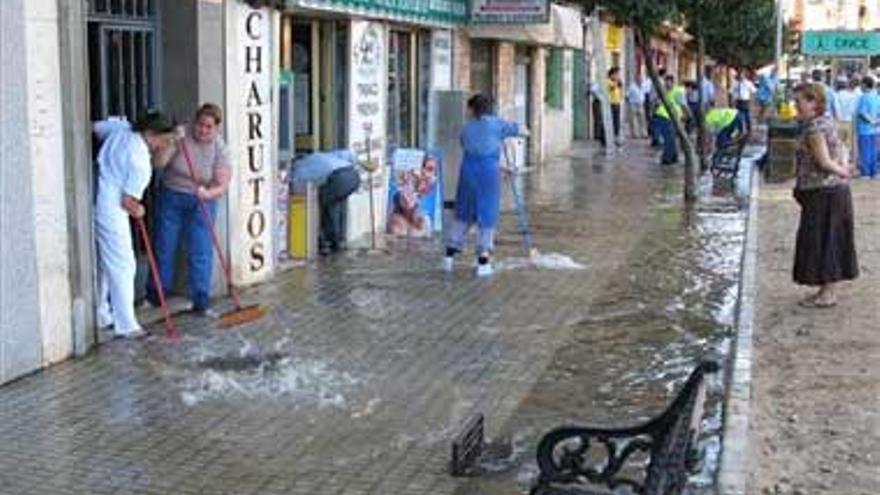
[
  {"x": 482, "y": 74},
  {"x": 554, "y": 90}
]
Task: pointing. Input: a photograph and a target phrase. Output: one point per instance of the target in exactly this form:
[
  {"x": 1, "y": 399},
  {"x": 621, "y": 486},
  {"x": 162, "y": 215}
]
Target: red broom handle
[
  {"x": 170, "y": 330},
  {"x": 227, "y": 271}
]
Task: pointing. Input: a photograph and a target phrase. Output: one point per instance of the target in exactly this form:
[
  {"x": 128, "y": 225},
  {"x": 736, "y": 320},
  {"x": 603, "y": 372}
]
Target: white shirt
[
  {"x": 124, "y": 167},
  {"x": 635, "y": 94},
  {"x": 847, "y": 101},
  {"x": 647, "y": 88},
  {"x": 743, "y": 90}
]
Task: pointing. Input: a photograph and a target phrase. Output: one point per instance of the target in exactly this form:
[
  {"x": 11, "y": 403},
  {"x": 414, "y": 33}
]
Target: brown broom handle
[
  {"x": 170, "y": 330},
  {"x": 227, "y": 271}
]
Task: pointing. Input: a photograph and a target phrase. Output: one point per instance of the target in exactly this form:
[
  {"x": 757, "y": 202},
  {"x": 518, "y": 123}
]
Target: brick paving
[{"x": 366, "y": 366}]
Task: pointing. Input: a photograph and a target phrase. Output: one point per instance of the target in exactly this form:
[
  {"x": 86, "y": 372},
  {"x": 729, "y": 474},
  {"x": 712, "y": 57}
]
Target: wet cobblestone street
[{"x": 366, "y": 366}]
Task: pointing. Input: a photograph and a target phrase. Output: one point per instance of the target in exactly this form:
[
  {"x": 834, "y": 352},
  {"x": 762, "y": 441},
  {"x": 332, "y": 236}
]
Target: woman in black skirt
[{"x": 825, "y": 252}]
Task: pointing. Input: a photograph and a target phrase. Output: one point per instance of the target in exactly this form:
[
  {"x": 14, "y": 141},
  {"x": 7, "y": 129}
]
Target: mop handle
[
  {"x": 518, "y": 204},
  {"x": 170, "y": 330},
  {"x": 227, "y": 271}
]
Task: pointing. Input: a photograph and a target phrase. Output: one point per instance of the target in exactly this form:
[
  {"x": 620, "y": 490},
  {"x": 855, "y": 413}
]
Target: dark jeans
[
  {"x": 725, "y": 136},
  {"x": 744, "y": 107},
  {"x": 670, "y": 144},
  {"x": 332, "y": 196},
  {"x": 615, "y": 120},
  {"x": 178, "y": 214}
]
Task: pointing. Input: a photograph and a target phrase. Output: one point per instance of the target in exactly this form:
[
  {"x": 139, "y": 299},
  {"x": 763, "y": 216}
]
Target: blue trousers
[
  {"x": 654, "y": 130},
  {"x": 670, "y": 146},
  {"x": 725, "y": 136},
  {"x": 868, "y": 154},
  {"x": 177, "y": 214}
]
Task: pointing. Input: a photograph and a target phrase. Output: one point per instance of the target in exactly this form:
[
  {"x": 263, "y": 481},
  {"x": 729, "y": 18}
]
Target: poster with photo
[{"x": 415, "y": 193}]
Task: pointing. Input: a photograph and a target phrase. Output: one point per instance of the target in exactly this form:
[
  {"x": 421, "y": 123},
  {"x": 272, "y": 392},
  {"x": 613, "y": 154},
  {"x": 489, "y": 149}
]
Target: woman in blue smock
[{"x": 479, "y": 184}]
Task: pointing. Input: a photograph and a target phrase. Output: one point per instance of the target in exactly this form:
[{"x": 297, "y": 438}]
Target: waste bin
[
  {"x": 302, "y": 225},
  {"x": 782, "y": 143}
]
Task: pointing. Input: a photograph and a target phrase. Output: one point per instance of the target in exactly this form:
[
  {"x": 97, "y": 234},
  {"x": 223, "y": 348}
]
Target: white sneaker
[
  {"x": 485, "y": 270},
  {"x": 448, "y": 263}
]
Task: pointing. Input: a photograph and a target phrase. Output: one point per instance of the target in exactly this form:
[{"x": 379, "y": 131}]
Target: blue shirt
[
  {"x": 484, "y": 136},
  {"x": 869, "y": 106},
  {"x": 317, "y": 166}
]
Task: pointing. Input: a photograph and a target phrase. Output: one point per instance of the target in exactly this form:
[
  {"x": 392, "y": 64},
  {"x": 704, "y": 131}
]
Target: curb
[{"x": 735, "y": 440}]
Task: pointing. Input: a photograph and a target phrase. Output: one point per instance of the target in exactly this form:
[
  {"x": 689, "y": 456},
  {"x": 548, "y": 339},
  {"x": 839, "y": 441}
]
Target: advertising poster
[{"x": 415, "y": 193}]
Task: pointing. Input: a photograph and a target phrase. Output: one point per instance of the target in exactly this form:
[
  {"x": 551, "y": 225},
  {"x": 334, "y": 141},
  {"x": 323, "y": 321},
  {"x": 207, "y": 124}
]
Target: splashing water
[
  {"x": 272, "y": 376},
  {"x": 546, "y": 261}
]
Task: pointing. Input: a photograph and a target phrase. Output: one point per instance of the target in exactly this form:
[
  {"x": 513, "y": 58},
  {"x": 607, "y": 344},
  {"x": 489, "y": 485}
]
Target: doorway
[
  {"x": 522, "y": 100},
  {"x": 315, "y": 52},
  {"x": 123, "y": 63}
]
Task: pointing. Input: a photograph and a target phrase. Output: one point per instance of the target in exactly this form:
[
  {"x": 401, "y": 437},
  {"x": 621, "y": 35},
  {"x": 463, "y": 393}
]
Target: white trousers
[{"x": 116, "y": 272}]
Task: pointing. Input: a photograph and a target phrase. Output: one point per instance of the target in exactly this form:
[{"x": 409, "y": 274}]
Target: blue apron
[{"x": 478, "y": 196}]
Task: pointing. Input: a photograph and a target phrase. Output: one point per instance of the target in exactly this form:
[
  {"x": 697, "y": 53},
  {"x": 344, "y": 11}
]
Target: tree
[
  {"x": 742, "y": 34},
  {"x": 645, "y": 17}
]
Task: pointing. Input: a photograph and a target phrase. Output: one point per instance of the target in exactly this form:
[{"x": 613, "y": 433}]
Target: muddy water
[{"x": 669, "y": 304}]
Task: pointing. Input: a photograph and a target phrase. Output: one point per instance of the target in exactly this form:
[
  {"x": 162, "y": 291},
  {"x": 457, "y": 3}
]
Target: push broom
[
  {"x": 170, "y": 329},
  {"x": 241, "y": 314},
  {"x": 520, "y": 208}
]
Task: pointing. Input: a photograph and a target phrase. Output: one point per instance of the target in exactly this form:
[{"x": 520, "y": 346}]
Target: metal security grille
[
  {"x": 133, "y": 9},
  {"x": 122, "y": 57}
]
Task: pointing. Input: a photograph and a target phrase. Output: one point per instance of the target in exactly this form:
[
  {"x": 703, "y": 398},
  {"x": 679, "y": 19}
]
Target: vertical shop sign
[
  {"x": 441, "y": 55},
  {"x": 254, "y": 171},
  {"x": 366, "y": 131}
]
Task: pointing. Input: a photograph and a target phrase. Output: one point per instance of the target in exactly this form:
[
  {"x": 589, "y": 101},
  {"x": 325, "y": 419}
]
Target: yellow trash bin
[{"x": 302, "y": 224}]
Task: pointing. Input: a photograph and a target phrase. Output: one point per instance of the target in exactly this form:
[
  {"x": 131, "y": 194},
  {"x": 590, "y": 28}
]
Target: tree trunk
[
  {"x": 701, "y": 118},
  {"x": 687, "y": 147}
]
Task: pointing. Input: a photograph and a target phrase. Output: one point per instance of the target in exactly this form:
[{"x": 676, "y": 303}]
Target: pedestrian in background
[
  {"x": 478, "y": 199},
  {"x": 635, "y": 109},
  {"x": 825, "y": 251},
  {"x": 766, "y": 91},
  {"x": 707, "y": 87},
  {"x": 741, "y": 94},
  {"x": 124, "y": 172},
  {"x": 178, "y": 216},
  {"x": 867, "y": 117},
  {"x": 848, "y": 94},
  {"x": 615, "y": 99}
]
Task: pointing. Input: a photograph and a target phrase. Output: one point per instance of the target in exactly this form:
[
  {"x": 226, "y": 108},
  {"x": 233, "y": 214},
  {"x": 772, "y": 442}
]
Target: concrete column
[
  {"x": 78, "y": 170},
  {"x": 462, "y": 60},
  {"x": 505, "y": 65},
  {"x": 536, "y": 126},
  {"x": 34, "y": 269},
  {"x": 20, "y": 342}
]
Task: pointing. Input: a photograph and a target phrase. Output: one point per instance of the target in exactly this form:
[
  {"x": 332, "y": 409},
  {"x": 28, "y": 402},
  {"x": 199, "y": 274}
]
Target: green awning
[{"x": 418, "y": 11}]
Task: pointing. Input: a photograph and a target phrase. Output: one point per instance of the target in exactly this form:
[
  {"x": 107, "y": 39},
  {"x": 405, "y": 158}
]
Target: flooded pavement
[{"x": 368, "y": 364}]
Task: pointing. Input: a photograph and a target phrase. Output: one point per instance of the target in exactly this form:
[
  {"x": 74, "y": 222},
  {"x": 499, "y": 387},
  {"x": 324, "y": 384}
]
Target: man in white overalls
[{"x": 124, "y": 170}]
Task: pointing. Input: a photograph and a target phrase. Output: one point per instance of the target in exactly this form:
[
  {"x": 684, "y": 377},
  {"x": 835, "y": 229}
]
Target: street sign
[{"x": 841, "y": 43}]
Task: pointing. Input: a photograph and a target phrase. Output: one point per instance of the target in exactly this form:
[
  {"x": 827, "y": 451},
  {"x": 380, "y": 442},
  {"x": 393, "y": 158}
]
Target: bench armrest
[{"x": 666, "y": 441}]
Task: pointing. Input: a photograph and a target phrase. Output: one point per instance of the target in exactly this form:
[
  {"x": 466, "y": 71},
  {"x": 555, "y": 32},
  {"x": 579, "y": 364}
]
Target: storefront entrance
[
  {"x": 315, "y": 53},
  {"x": 409, "y": 73},
  {"x": 123, "y": 62}
]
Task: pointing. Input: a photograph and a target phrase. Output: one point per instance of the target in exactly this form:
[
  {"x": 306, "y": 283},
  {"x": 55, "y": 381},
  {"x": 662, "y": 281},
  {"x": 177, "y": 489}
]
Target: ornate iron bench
[
  {"x": 726, "y": 160},
  {"x": 654, "y": 458}
]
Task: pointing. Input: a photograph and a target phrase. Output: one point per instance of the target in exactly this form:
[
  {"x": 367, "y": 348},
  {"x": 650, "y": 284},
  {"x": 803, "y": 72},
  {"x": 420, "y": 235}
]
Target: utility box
[{"x": 451, "y": 115}]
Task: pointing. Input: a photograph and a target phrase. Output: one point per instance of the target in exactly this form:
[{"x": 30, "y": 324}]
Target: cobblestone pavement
[
  {"x": 816, "y": 375},
  {"x": 366, "y": 366}
]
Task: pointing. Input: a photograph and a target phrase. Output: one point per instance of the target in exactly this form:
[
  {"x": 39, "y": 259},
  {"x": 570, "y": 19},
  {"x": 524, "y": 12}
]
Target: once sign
[{"x": 841, "y": 43}]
